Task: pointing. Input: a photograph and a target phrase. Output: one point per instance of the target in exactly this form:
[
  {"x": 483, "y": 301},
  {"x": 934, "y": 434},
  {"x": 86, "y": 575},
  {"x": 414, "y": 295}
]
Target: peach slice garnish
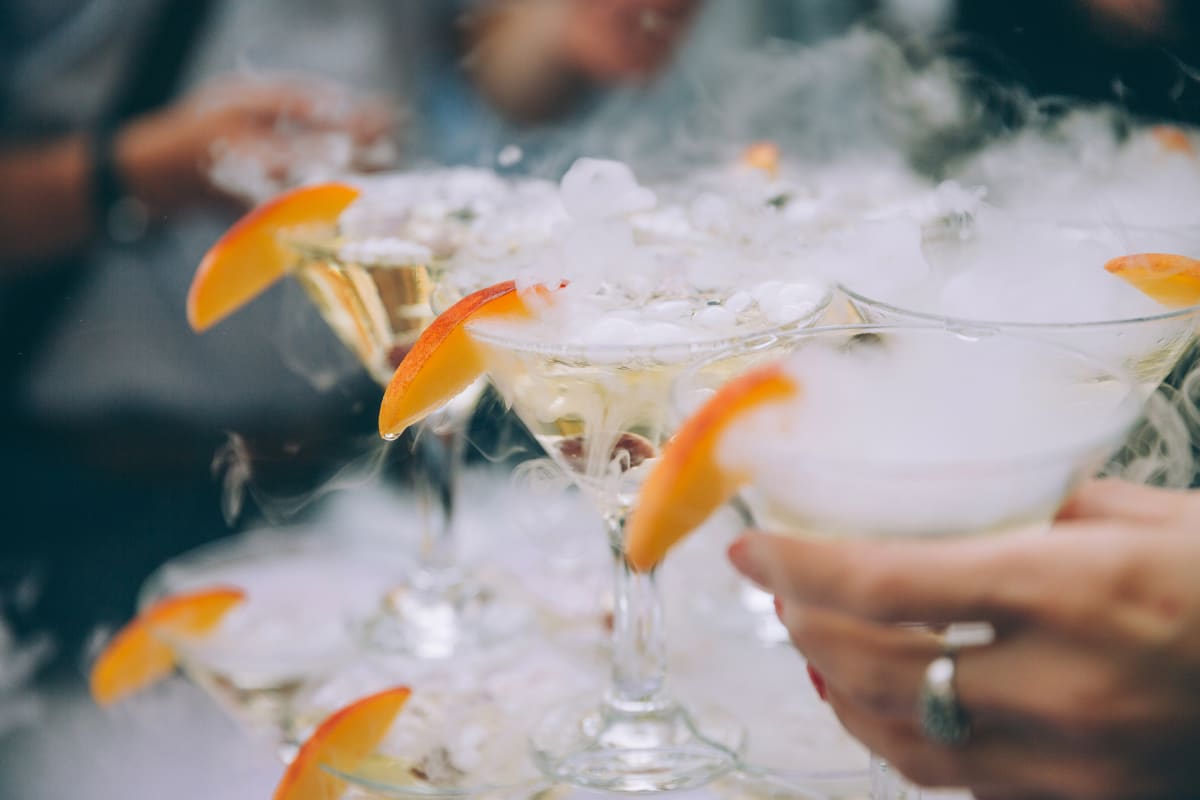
[
  {"x": 689, "y": 483},
  {"x": 342, "y": 742},
  {"x": 763, "y": 156},
  {"x": 138, "y": 656},
  {"x": 250, "y": 257},
  {"x": 445, "y": 360},
  {"x": 1173, "y": 139},
  {"x": 1172, "y": 280}
]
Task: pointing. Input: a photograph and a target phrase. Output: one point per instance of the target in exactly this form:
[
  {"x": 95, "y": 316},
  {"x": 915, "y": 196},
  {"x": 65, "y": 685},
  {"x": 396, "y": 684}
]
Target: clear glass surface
[
  {"x": 603, "y": 414},
  {"x": 1149, "y": 347},
  {"x": 378, "y": 311},
  {"x": 1037, "y": 278},
  {"x": 851, "y": 489},
  {"x": 290, "y": 633}
]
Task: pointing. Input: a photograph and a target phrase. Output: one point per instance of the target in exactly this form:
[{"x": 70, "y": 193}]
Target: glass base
[
  {"x": 439, "y": 624},
  {"x": 635, "y": 749}
]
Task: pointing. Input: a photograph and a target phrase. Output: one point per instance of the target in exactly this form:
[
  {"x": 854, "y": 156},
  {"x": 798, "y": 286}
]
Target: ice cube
[
  {"x": 801, "y": 294},
  {"x": 739, "y": 301},
  {"x": 787, "y": 313},
  {"x": 716, "y": 317},
  {"x": 710, "y": 212},
  {"x": 595, "y": 189}
]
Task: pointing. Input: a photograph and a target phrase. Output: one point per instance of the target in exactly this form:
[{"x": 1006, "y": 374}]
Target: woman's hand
[{"x": 1091, "y": 688}]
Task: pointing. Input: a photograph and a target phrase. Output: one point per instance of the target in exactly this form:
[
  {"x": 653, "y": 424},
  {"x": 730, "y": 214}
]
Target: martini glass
[
  {"x": 378, "y": 309},
  {"x": 602, "y": 413},
  {"x": 971, "y": 281},
  {"x": 289, "y": 635},
  {"x": 1147, "y": 346},
  {"x": 821, "y": 466}
]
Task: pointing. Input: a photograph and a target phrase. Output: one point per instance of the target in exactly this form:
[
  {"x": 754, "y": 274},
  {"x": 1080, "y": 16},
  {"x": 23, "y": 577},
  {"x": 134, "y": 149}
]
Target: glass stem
[
  {"x": 638, "y": 640},
  {"x": 887, "y": 784},
  {"x": 439, "y": 451}
]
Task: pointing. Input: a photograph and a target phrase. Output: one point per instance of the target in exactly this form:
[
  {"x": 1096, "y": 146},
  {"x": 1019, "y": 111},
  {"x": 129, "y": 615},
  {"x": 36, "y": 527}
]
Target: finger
[
  {"x": 995, "y": 761},
  {"x": 879, "y": 666},
  {"x": 1070, "y": 697},
  {"x": 315, "y": 104},
  {"x": 882, "y": 667},
  {"x": 1122, "y": 500},
  {"x": 989, "y": 579}
]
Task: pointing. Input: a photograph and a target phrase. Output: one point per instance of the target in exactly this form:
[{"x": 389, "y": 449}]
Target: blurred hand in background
[
  {"x": 234, "y": 141},
  {"x": 250, "y": 138}
]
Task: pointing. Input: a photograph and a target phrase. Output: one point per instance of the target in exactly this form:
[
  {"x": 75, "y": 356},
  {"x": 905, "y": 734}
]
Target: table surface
[{"x": 173, "y": 741}]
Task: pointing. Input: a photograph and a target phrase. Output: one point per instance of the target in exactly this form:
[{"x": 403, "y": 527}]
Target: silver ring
[{"x": 942, "y": 718}]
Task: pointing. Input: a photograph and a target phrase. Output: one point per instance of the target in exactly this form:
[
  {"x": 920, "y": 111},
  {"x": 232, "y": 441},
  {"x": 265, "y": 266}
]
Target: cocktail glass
[
  {"x": 849, "y": 486},
  {"x": 290, "y": 634},
  {"x": 1148, "y": 346},
  {"x": 971, "y": 282},
  {"x": 377, "y": 310},
  {"x": 603, "y": 414}
]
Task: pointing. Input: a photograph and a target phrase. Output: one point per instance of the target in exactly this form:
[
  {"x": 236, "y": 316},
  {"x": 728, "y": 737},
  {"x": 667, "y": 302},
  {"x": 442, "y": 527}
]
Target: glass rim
[
  {"x": 932, "y": 317},
  {"x": 1129, "y": 409},
  {"x": 702, "y": 347},
  {"x": 239, "y": 549}
]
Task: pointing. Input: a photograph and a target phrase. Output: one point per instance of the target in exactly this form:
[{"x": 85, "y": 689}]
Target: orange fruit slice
[
  {"x": 445, "y": 360},
  {"x": 1173, "y": 139},
  {"x": 689, "y": 483},
  {"x": 342, "y": 742},
  {"x": 1172, "y": 280},
  {"x": 138, "y": 657},
  {"x": 763, "y": 156},
  {"x": 250, "y": 257}
]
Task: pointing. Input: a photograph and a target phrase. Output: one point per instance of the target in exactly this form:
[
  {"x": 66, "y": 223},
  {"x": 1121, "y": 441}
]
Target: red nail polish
[
  {"x": 818, "y": 682},
  {"x": 736, "y": 551}
]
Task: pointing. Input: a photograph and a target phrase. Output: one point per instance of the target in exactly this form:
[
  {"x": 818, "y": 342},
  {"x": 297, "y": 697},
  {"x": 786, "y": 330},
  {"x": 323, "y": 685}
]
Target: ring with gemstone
[{"x": 941, "y": 717}]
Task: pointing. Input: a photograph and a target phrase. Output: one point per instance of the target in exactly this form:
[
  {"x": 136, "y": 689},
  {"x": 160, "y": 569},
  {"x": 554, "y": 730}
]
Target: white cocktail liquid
[
  {"x": 591, "y": 375},
  {"x": 926, "y": 434},
  {"x": 294, "y": 628}
]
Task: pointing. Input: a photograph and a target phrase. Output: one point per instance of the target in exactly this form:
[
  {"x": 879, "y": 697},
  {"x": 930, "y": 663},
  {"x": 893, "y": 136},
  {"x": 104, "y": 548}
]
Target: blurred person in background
[
  {"x": 1137, "y": 53},
  {"x": 117, "y": 118}
]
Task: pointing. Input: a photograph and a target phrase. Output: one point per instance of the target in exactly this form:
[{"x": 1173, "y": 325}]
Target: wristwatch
[{"x": 120, "y": 217}]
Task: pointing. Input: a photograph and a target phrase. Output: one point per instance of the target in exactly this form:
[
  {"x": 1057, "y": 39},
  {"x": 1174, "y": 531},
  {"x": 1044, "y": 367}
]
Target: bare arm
[
  {"x": 163, "y": 160},
  {"x": 45, "y": 210}
]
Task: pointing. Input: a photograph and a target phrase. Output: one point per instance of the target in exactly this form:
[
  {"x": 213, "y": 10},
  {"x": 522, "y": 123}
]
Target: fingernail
[
  {"x": 741, "y": 554},
  {"x": 818, "y": 682}
]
